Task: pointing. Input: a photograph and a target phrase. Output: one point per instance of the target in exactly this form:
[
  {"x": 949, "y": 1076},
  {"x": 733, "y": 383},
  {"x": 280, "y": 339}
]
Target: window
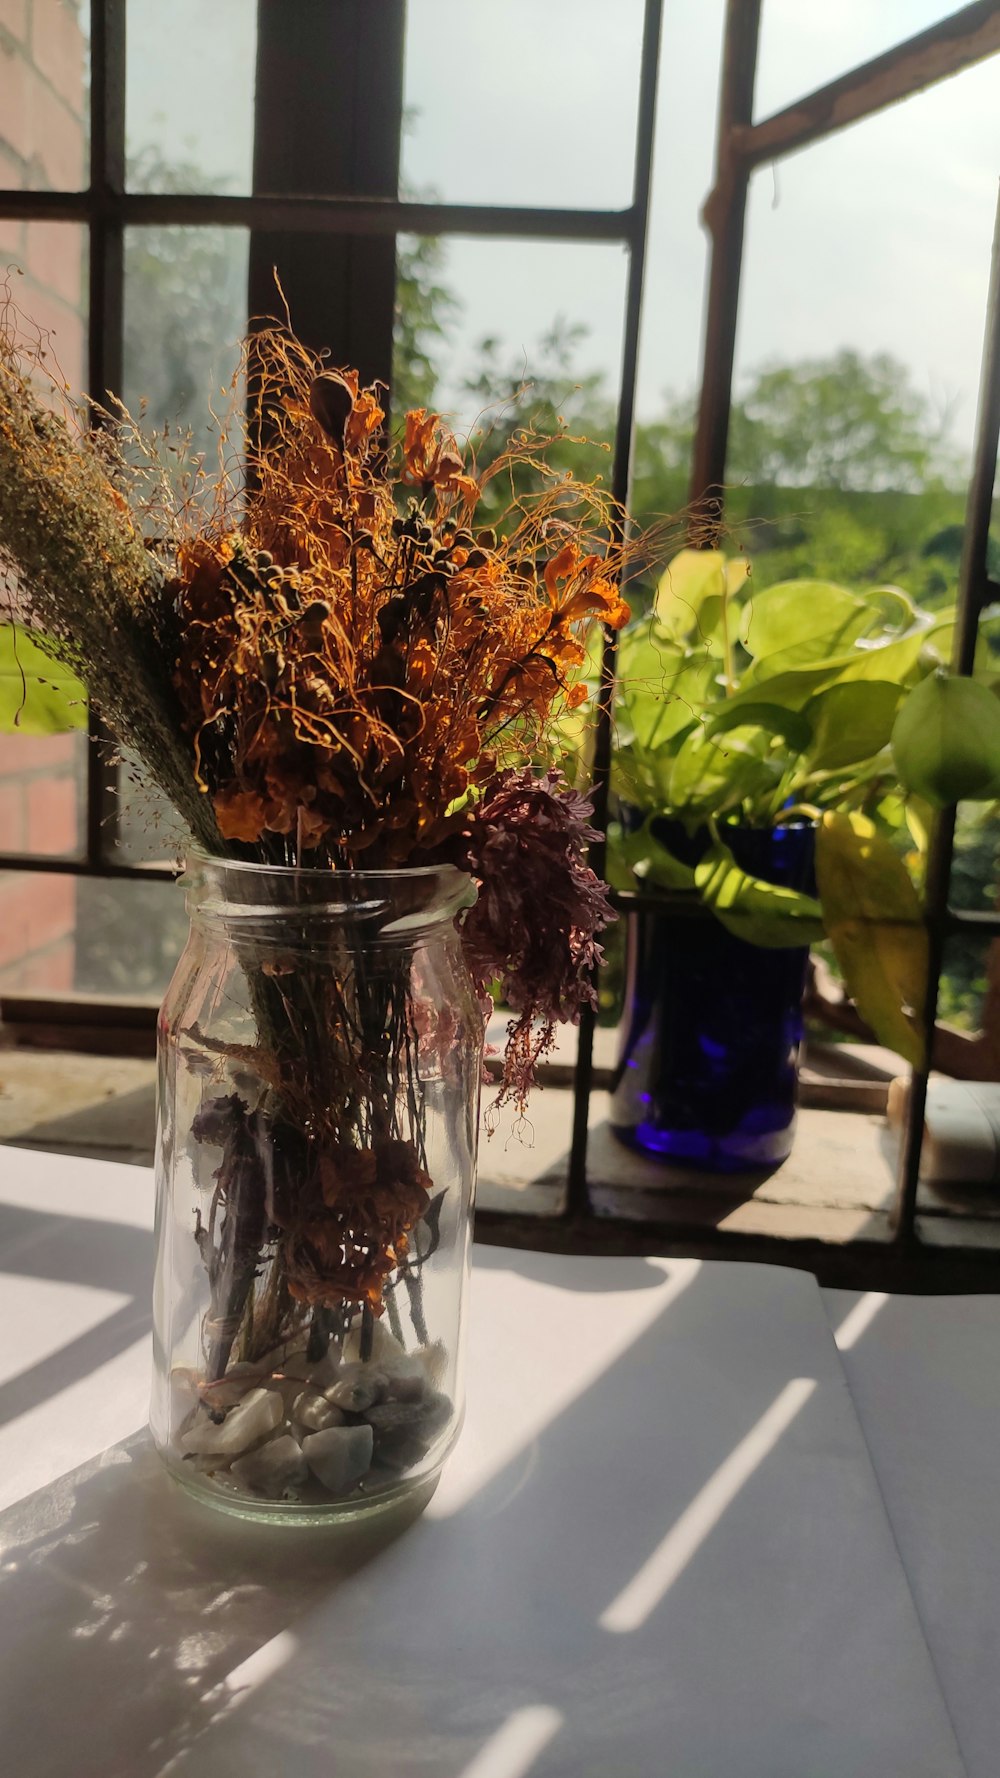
[{"x": 451, "y": 193}]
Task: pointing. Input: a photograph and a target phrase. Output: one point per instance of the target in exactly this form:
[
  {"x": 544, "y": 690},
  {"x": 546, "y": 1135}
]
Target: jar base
[{"x": 404, "y": 1496}]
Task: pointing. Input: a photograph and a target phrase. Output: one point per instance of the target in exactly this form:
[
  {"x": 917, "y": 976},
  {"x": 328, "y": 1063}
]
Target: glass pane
[
  {"x": 975, "y": 869},
  {"x": 42, "y": 794},
  {"x": 48, "y": 276},
  {"x": 861, "y": 328},
  {"x": 189, "y": 95},
  {"x": 185, "y": 315},
  {"x": 479, "y": 319},
  {"x": 521, "y": 101},
  {"x": 804, "y": 47},
  {"x": 43, "y": 777},
  {"x": 63, "y": 934},
  {"x": 968, "y": 1005},
  {"x": 676, "y": 256},
  {"x": 44, "y": 96}
]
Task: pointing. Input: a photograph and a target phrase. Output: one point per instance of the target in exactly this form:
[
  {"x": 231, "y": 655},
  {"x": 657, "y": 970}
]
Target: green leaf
[
  {"x": 895, "y": 662},
  {"x": 38, "y": 695},
  {"x": 774, "y": 719},
  {"x": 693, "y": 576},
  {"x": 874, "y": 921},
  {"x": 648, "y": 859},
  {"x": 762, "y": 913},
  {"x": 710, "y": 776},
  {"x": 946, "y": 740},
  {"x": 792, "y": 689},
  {"x": 851, "y": 722},
  {"x": 800, "y": 621}
]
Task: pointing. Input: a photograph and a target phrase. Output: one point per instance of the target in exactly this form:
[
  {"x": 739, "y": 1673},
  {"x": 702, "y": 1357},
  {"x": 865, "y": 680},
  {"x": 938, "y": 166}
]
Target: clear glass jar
[{"x": 320, "y": 1053}]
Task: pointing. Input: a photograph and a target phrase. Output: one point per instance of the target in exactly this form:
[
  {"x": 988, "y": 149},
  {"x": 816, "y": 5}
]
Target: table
[{"x": 683, "y": 1535}]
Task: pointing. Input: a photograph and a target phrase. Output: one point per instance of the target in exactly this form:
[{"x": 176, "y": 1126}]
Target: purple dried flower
[{"x": 540, "y": 908}]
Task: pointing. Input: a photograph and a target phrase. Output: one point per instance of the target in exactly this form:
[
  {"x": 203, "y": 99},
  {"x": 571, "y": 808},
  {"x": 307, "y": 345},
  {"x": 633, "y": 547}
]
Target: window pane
[
  {"x": 44, "y": 96},
  {"x": 861, "y": 328},
  {"x": 676, "y": 256},
  {"x": 521, "y": 101},
  {"x": 189, "y": 95},
  {"x": 477, "y": 319},
  {"x": 804, "y": 47},
  {"x": 42, "y": 792},
  {"x": 42, "y": 777},
  {"x": 51, "y": 292},
  {"x": 185, "y": 315},
  {"x": 63, "y": 934}
]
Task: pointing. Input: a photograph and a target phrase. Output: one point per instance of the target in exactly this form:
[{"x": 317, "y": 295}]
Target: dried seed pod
[{"x": 331, "y": 404}]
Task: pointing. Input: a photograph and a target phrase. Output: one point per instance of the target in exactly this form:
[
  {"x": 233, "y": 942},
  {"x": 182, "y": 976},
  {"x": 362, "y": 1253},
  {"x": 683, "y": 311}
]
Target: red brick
[
  {"x": 51, "y": 970},
  {"x": 57, "y": 49},
  {"x": 14, "y": 18},
  {"x": 53, "y": 256},
  {"x": 11, "y": 242},
  {"x": 31, "y": 753},
  {"x": 54, "y": 140},
  {"x": 53, "y": 816},
  {"x": 16, "y": 81},
  {"x": 35, "y": 911},
  {"x": 62, "y": 331},
  {"x": 12, "y": 834}
]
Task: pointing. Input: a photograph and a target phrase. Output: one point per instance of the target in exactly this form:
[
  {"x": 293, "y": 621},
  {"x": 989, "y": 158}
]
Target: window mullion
[{"x": 328, "y": 115}]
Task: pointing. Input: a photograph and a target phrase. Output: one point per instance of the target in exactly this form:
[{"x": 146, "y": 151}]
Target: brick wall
[{"x": 43, "y": 146}]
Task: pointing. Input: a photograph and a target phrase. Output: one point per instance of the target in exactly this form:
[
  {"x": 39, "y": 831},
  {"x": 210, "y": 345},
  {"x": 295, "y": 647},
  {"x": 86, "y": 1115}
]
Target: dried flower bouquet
[{"x": 331, "y": 669}]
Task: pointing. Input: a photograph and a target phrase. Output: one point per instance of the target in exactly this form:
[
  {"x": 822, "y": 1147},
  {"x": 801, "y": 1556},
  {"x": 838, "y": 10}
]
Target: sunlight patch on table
[
  {"x": 513, "y": 1749},
  {"x": 655, "y": 1578},
  {"x": 858, "y": 1320}
]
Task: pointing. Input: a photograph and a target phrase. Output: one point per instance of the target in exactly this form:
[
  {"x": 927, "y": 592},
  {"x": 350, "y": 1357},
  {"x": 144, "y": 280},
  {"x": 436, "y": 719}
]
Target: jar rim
[{"x": 259, "y": 898}]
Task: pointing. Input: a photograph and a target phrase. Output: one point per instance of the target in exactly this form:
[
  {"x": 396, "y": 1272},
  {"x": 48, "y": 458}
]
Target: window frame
[{"x": 300, "y": 228}]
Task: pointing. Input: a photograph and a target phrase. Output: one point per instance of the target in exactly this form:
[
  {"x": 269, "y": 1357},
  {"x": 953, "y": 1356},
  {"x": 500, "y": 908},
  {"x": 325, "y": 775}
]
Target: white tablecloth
[{"x": 661, "y": 1549}]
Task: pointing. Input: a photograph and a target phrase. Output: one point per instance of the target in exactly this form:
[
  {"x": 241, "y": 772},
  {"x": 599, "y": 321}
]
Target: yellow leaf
[
  {"x": 875, "y": 923},
  {"x": 687, "y": 581}
]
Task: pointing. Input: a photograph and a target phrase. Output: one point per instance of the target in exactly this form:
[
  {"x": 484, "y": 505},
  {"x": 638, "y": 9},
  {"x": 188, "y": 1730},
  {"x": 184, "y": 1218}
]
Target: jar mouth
[{"x": 389, "y": 903}]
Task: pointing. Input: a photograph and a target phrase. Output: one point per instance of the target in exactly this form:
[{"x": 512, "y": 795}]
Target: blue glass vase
[{"x": 712, "y": 1026}]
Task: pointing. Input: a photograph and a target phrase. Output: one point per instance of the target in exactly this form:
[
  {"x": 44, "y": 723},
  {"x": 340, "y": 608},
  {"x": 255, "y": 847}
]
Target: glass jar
[
  {"x": 707, "y": 1075},
  {"x": 320, "y": 1053}
]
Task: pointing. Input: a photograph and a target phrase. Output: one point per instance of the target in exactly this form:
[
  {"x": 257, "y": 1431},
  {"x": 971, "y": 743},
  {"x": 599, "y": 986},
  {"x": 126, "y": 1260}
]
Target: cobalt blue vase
[{"x": 712, "y": 1027}]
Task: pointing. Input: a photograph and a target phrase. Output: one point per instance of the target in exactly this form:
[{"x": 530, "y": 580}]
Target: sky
[{"x": 878, "y": 239}]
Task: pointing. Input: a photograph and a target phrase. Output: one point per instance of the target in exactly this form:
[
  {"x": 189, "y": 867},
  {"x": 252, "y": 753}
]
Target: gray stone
[
  {"x": 340, "y": 1456},
  {"x": 391, "y": 1416},
  {"x": 400, "y": 1433},
  {"x": 315, "y": 1413},
  {"x": 437, "y": 1411},
  {"x": 357, "y": 1388},
  {"x": 244, "y": 1425},
  {"x": 406, "y": 1379},
  {"x": 277, "y": 1470}
]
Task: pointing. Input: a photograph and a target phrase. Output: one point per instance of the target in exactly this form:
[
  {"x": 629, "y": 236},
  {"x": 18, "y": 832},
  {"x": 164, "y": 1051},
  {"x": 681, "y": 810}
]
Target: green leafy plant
[
  {"x": 808, "y": 702},
  {"x": 39, "y": 695}
]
